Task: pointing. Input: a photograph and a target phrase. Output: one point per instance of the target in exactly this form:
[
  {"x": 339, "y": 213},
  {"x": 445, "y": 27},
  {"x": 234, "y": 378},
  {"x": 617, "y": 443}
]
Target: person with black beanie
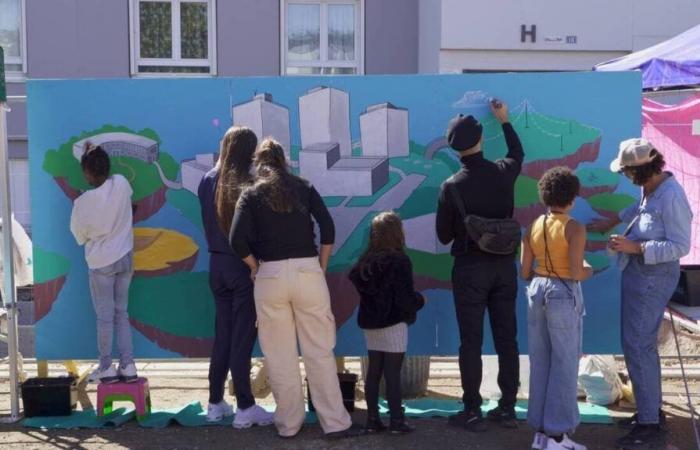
[{"x": 481, "y": 280}]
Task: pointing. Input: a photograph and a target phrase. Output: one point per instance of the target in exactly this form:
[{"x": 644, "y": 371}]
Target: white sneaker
[
  {"x": 107, "y": 376},
  {"x": 565, "y": 444},
  {"x": 128, "y": 373},
  {"x": 540, "y": 441},
  {"x": 217, "y": 411},
  {"x": 255, "y": 415}
]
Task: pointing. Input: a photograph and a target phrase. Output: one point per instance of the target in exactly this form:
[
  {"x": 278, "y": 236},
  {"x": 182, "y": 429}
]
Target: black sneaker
[
  {"x": 642, "y": 436},
  {"x": 353, "y": 431},
  {"x": 503, "y": 416},
  {"x": 469, "y": 420},
  {"x": 630, "y": 422},
  {"x": 374, "y": 425},
  {"x": 400, "y": 427}
]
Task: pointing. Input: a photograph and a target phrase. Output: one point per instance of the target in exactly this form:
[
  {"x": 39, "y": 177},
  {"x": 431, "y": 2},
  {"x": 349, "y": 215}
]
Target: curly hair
[
  {"x": 95, "y": 161},
  {"x": 641, "y": 174},
  {"x": 386, "y": 235},
  {"x": 274, "y": 181},
  {"x": 558, "y": 187},
  {"x": 235, "y": 160}
]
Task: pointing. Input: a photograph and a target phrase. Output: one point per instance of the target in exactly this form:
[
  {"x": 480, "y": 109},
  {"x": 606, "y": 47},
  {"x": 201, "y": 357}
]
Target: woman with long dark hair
[
  {"x": 656, "y": 238},
  {"x": 273, "y": 232},
  {"x": 230, "y": 282},
  {"x": 388, "y": 304}
]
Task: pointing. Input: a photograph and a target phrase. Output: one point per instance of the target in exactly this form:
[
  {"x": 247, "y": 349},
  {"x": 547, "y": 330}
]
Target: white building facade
[{"x": 543, "y": 35}]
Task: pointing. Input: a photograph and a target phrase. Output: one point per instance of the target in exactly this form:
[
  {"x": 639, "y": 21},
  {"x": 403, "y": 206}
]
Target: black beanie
[{"x": 463, "y": 132}]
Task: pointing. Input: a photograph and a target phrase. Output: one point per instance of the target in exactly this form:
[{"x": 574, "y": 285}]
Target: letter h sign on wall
[{"x": 524, "y": 33}]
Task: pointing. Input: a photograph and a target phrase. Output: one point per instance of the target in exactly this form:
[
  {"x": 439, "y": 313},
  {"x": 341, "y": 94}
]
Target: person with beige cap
[{"x": 656, "y": 238}]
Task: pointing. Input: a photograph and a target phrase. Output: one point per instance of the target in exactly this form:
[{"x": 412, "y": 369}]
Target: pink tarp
[{"x": 670, "y": 129}]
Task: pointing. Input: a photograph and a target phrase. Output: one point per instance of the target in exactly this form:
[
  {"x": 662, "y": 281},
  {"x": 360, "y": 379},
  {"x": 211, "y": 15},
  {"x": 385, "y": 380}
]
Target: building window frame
[
  {"x": 21, "y": 60},
  {"x": 358, "y": 64},
  {"x": 176, "y": 60}
]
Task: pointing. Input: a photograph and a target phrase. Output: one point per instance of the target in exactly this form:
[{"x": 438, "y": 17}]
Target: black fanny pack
[{"x": 494, "y": 236}]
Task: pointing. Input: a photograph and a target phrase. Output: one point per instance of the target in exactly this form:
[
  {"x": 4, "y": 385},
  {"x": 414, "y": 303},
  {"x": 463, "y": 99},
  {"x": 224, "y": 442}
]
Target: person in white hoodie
[{"x": 102, "y": 221}]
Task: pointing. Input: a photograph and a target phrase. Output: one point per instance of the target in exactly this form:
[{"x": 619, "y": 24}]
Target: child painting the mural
[
  {"x": 102, "y": 222},
  {"x": 383, "y": 277},
  {"x": 553, "y": 260}
]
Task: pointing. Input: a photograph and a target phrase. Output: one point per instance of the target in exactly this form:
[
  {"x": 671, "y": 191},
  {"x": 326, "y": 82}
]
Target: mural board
[{"x": 368, "y": 144}]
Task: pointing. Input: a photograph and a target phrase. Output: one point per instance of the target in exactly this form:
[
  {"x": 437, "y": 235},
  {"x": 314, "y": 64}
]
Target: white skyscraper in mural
[
  {"x": 324, "y": 117},
  {"x": 384, "y": 131},
  {"x": 265, "y": 118}
]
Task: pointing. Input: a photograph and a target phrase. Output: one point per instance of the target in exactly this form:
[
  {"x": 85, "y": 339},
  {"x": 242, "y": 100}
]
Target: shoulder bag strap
[{"x": 457, "y": 200}]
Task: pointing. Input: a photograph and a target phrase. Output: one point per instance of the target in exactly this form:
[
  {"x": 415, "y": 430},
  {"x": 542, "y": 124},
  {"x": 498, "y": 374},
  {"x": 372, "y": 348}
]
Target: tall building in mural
[
  {"x": 265, "y": 118},
  {"x": 324, "y": 116},
  {"x": 384, "y": 131}
]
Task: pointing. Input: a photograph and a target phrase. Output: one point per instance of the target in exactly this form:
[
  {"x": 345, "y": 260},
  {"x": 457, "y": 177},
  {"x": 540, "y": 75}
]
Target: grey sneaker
[
  {"x": 128, "y": 373},
  {"x": 217, "y": 411},
  {"x": 255, "y": 415},
  {"x": 108, "y": 375}
]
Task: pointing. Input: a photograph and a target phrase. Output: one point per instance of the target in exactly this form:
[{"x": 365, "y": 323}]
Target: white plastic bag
[
  {"x": 598, "y": 377},
  {"x": 21, "y": 253}
]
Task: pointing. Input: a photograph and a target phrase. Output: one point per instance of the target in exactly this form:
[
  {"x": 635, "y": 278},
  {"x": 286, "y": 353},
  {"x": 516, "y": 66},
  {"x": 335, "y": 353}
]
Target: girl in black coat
[{"x": 388, "y": 304}]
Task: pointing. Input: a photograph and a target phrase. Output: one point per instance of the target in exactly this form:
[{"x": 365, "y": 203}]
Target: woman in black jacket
[
  {"x": 388, "y": 304},
  {"x": 273, "y": 232}
]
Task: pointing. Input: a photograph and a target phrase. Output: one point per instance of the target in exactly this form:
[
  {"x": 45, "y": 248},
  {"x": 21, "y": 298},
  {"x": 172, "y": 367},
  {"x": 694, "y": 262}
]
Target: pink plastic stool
[{"x": 136, "y": 393}]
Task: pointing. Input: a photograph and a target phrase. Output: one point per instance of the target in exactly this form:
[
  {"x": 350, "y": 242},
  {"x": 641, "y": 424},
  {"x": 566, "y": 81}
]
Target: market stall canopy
[{"x": 672, "y": 63}]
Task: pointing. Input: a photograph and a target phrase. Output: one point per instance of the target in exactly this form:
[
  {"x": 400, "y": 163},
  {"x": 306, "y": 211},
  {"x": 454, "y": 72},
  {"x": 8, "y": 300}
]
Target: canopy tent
[{"x": 672, "y": 63}]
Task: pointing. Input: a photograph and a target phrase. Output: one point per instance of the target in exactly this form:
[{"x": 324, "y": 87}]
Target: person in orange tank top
[{"x": 552, "y": 258}]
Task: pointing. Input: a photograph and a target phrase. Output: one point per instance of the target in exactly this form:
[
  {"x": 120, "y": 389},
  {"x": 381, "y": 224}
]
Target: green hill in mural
[
  {"x": 597, "y": 181},
  {"x": 145, "y": 178},
  {"x": 610, "y": 205},
  {"x": 189, "y": 328},
  {"x": 549, "y": 141},
  {"x": 526, "y": 192},
  {"x": 50, "y": 272}
]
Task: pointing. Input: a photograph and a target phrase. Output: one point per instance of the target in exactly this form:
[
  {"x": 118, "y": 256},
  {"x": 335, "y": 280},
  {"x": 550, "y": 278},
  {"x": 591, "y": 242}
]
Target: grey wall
[
  {"x": 77, "y": 38},
  {"x": 248, "y": 37},
  {"x": 391, "y": 36},
  {"x": 429, "y": 34},
  {"x": 17, "y": 122}
]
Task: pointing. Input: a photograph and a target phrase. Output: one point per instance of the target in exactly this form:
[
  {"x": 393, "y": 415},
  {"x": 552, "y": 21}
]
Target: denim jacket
[{"x": 663, "y": 226}]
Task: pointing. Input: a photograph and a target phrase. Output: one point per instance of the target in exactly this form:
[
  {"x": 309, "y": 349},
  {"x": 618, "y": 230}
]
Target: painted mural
[{"x": 368, "y": 144}]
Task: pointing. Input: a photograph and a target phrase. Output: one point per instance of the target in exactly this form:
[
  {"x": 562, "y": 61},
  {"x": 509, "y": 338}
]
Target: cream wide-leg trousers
[{"x": 292, "y": 301}]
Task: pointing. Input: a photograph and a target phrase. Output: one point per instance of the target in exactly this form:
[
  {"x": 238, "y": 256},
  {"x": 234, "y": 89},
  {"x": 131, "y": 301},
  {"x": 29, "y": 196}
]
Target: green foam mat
[
  {"x": 194, "y": 415},
  {"x": 431, "y": 407}
]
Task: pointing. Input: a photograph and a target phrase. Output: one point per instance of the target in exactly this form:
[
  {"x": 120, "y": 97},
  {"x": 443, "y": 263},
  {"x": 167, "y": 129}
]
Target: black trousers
[
  {"x": 385, "y": 364},
  {"x": 477, "y": 286},
  {"x": 235, "y": 332}
]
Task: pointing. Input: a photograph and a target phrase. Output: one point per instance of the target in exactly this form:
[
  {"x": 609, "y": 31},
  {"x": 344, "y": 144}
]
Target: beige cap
[{"x": 633, "y": 152}]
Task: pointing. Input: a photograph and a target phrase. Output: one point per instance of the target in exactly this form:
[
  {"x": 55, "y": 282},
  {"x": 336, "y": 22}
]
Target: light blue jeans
[
  {"x": 646, "y": 289},
  {"x": 554, "y": 326},
  {"x": 109, "y": 288}
]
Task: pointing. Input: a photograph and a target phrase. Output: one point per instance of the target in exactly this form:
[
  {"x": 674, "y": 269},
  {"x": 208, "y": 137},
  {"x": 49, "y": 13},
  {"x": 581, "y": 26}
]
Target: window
[
  {"x": 322, "y": 37},
  {"x": 173, "y": 36},
  {"x": 12, "y": 38}
]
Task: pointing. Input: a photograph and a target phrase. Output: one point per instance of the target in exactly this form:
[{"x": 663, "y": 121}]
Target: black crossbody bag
[{"x": 494, "y": 236}]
